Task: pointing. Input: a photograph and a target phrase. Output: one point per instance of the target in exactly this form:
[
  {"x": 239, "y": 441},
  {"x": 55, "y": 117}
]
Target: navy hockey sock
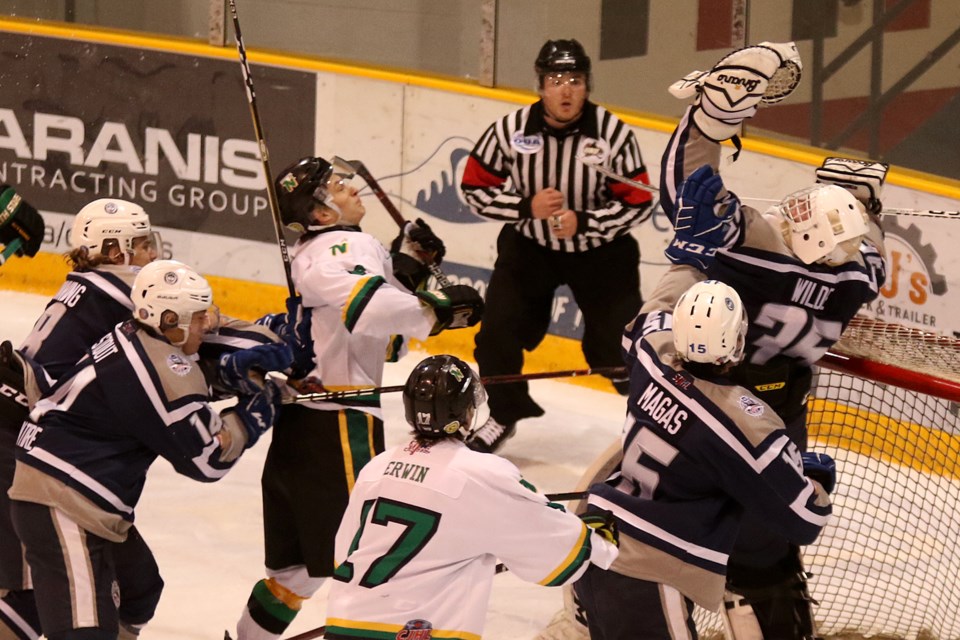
[{"x": 18, "y": 616}]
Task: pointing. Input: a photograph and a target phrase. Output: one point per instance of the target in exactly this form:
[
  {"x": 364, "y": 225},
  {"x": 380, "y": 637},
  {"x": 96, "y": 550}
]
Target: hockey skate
[{"x": 491, "y": 436}]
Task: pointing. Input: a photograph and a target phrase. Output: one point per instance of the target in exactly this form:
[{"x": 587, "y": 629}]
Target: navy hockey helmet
[
  {"x": 559, "y": 56},
  {"x": 441, "y": 396},
  {"x": 300, "y": 187}
]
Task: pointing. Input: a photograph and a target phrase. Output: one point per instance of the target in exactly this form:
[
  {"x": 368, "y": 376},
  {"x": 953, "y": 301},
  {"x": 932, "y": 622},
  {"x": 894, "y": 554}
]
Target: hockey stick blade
[
  {"x": 503, "y": 379},
  {"x": 614, "y": 176}
]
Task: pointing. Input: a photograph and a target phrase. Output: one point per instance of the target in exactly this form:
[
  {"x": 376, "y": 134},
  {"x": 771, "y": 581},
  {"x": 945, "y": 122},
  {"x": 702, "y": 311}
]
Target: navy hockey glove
[
  {"x": 418, "y": 241},
  {"x": 455, "y": 307},
  {"x": 820, "y": 467},
  {"x": 708, "y": 218},
  {"x": 294, "y": 327},
  {"x": 21, "y": 227},
  {"x": 604, "y": 524},
  {"x": 258, "y": 411},
  {"x": 242, "y": 371}
]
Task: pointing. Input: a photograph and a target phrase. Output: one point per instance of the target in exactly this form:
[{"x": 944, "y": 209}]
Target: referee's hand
[
  {"x": 563, "y": 224},
  {"x": 546, "y": 203}
]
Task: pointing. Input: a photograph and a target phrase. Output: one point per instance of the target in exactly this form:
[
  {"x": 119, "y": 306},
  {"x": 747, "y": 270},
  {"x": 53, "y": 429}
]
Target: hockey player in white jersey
[
  {"x": 85, "y": 450},
  {"x": 362, "y": 304},
  {"x": 420, "y": 540},
  {"x": 699, "y": 452}
]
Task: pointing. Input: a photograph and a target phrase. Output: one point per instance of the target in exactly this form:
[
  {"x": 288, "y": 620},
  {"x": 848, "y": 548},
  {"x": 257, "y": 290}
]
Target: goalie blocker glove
[
  {"x": 732, "y": 90},
  {"x": 455, "y": 307},
  {"x": 708, "y": 218},
  {"x": 20, "y": 223},
  {"x": 862, "y": 178}
]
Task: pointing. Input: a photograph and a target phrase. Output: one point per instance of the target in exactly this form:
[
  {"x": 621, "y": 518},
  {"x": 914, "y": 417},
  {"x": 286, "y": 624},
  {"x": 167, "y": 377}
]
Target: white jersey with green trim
[
  {"x": 361, "y": 314},
  {"x": 426, "y": 524}
]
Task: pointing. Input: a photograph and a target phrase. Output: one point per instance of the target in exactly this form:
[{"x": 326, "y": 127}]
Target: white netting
[{"x": 888, "y": 565}]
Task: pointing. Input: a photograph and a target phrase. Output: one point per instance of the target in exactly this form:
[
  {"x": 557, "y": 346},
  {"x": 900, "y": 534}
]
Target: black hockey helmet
[
  {"x": 300, "y": 187},
  {"x": 441, "y": 396},
  {"x": 558, "y": 56}
]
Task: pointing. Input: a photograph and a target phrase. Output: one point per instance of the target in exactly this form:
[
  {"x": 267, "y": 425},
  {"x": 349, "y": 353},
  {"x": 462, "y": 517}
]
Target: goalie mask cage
[{"x": 884, "y": 404}]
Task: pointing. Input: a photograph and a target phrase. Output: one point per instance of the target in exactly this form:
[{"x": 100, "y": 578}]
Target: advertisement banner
[{"x": 172, "y": 132}]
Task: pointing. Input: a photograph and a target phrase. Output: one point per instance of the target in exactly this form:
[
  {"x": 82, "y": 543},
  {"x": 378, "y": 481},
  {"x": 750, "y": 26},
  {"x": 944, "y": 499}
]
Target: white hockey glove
[
  {"x": 733, "y": 89},
  {"x": 862, "y": 178}
]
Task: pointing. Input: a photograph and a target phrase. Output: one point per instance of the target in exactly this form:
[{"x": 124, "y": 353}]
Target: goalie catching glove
[
  {"x": 455, "y": 307},
  {"x": 863, "y": 179},
  {"x": 708, "y": 218},
  {"x": 732, "y": 90},
  {"x": 21, "y": 227}
]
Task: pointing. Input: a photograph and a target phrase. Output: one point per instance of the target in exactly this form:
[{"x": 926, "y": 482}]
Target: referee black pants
[{"x": 606, "y": 286}]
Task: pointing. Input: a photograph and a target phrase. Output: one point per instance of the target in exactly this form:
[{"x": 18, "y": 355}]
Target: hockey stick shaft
[
  {"x": 502, "y": 379},
  {"x": 10, "y": 249},
  {"x": 264, "y": 155},
  {"x": 391, "y": 208},
  {"x": 615, "y": 176}
]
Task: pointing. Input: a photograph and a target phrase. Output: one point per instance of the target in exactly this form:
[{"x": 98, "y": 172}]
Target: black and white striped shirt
[{"x": 520, "y": 155}]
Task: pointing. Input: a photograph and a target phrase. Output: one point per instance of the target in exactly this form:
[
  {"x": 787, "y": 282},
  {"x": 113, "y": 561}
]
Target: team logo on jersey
[
  {"x": 526, "y": 144},
  {"x": 416, "y": 630},
  {"x": 416, "y": 447},
  {"x": 178, "y": 364},
  {"x": 594, "y": 151},
  {"x": 751, "y": 406}
]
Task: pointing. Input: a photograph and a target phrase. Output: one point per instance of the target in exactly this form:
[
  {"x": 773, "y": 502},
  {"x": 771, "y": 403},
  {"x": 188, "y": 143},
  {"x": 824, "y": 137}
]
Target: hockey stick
[
  {"x": 363, "y": 172},
  {"x": 591, "y": 161},
  {"x": 10, "y": 249},
  {"x": 502, "y": 379},
  {"x": 264, "y": 155}
]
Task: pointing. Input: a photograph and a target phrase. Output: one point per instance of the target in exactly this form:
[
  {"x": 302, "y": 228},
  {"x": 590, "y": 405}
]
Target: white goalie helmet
[
  {"x": 166, "y": 294},
  {"x": 823, "y": 223},
  {"x": 710, "y": 324},
  {"x": 109, "y": 219}
]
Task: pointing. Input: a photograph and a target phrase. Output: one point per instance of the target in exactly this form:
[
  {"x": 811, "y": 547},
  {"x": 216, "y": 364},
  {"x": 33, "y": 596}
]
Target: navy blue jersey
[
  {"x": 796, "y": 311},
  {"x": 88, "y": 444},
  {"x": 698, "y": 452},
  {"x": 88, "y": 304}
]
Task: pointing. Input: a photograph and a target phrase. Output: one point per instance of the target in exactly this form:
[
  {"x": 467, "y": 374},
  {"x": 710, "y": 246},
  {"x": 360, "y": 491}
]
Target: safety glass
[{"x": 557, "y": 80}]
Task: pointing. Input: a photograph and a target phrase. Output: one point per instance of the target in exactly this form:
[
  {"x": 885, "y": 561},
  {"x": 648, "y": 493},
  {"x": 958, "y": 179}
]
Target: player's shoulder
[
  {"x": 740, "y": 409},
  {"x": 163, "y": 369}
]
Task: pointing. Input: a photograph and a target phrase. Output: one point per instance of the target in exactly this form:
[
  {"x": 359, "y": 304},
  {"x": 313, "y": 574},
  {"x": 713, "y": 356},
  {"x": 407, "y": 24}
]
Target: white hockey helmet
[
  {"x": 823, "y": 223},
  {"x": 166, "y": 294},
  {"x": 710, "y": 324},
  {"x": 109, "y": 219}
]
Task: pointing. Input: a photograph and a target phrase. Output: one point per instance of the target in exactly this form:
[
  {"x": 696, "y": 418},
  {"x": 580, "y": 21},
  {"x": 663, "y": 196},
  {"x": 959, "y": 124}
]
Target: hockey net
[{"x": 885, "y": 406}]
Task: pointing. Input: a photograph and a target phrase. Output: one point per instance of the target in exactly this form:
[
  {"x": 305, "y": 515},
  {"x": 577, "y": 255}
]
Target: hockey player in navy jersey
[
  {"x": 85, "y": 449},
  {"x": 699, "y": 452},
  {"x": 803, "y": 269},
  {"x": 363, "y": 304},
  {"x": 420, "y": 539}
]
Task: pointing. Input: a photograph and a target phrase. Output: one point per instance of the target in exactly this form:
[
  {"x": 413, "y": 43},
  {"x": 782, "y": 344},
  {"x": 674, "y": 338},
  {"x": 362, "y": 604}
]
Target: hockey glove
[
  {"x": 820, "y": 467},
  {"x": 418, "y": 241},
  {"x": 258, "y": 411},
  {"x": 732, "y": 90},
  {"x": 603, "y": 524},
  {"x": 21, "y": 227},
  {"x": 863, "y": 179},
  {"x": 294, "y": 327},
  {"x": 455, "y": 307},
  {"x": 243, "y": 371},
  {"x": 708, "y": 218}
]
